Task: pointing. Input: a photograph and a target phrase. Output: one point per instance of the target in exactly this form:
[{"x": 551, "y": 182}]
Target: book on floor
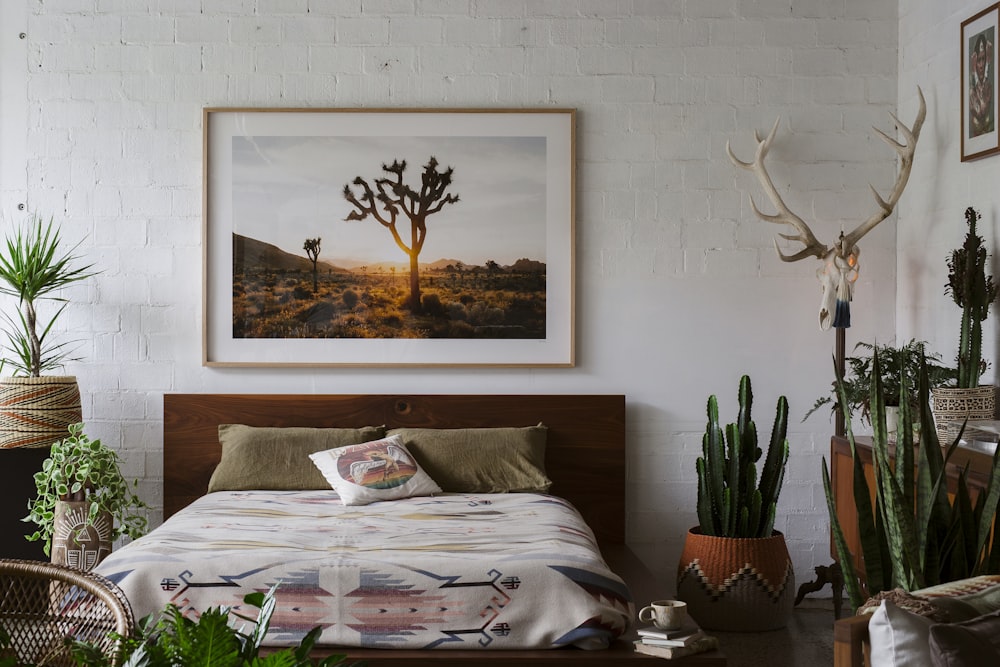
[{"x": 699, "y": 645}]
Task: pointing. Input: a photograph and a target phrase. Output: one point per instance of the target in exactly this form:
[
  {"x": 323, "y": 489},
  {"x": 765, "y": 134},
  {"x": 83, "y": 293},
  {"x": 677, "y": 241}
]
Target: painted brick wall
[
  {"x": 931, "y": 218},
  {"x": 679, "y": 291}
]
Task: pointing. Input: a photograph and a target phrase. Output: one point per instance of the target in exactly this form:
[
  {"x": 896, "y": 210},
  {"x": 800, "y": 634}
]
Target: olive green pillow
[
  {"x": 255, "y": 457},
  {"x": 481, "y": 460}
]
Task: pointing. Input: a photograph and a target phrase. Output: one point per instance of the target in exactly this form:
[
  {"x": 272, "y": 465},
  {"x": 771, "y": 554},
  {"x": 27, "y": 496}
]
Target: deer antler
[{"x": 813, "y": 247}]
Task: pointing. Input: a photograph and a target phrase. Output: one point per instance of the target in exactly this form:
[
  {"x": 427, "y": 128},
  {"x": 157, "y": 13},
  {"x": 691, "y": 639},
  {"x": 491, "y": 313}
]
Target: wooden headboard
[{"x": 585, "y": 453}]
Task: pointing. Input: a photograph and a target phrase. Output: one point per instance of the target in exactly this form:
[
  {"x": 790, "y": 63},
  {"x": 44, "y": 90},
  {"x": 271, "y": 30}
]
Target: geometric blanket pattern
[{"x": 454, "y": 571}]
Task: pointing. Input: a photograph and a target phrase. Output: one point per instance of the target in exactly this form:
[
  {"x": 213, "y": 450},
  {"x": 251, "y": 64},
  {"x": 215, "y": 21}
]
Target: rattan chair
[{"x": 43, "y": 606}]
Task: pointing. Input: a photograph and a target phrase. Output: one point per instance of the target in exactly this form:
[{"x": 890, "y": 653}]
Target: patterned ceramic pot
[
  {"x": 77, "y": 543},
  {"x": 952, "y": 404},
  {"x": 736, "y": 584},
  {"x": 35, "y": 412}
]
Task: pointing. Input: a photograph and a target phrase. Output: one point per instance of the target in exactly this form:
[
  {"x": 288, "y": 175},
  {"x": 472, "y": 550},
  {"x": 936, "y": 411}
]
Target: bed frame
[{"x": 585, "y": 458}]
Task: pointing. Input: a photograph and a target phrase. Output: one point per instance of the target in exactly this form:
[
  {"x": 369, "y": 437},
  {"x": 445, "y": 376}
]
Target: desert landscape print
[{"x": 389, "y": 237}]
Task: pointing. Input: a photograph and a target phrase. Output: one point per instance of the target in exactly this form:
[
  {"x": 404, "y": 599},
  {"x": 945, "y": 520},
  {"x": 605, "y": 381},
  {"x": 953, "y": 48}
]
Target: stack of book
[{"x": 686, "y": 640}]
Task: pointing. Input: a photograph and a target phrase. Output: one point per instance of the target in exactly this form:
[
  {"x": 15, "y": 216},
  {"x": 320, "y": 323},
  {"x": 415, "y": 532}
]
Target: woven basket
[
  {"x": 952, "y": 404},
  {"x": 736, "y": 584},
  {"x": 35, "y": 412}
]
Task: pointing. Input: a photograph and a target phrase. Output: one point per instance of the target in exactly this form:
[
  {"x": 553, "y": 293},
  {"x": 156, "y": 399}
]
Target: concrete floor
[{"x": 806, "y": 641}]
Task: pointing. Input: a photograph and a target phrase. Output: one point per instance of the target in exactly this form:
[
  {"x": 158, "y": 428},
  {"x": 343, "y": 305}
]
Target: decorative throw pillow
[
  {"x": 372, "y": 471},
  {"x": 255, "y": 457},
  {"x": 898, "y": 637},
  {"x": 966, "y": 598},
  {"x": 971, "y": 643},
  {"x": 481, "y": 460}
]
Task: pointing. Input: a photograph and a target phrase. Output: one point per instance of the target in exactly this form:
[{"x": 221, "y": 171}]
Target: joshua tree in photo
[
  {"x": 391, "y": 197},
  {"x": 312, "y": 250}
]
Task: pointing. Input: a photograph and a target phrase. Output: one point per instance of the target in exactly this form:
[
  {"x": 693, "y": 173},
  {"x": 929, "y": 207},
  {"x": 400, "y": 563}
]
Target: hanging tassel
[{"x": 842, "y": 312}]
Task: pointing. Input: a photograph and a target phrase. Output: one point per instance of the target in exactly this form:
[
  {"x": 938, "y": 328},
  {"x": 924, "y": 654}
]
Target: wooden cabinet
[{"x": 842, "y": 480}]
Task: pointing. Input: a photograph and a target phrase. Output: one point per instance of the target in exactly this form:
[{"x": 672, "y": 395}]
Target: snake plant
[
  {"x": 731, "y": 502},
  {"x": 912, "y": 534},
  {"x": 973, "y": 291}
]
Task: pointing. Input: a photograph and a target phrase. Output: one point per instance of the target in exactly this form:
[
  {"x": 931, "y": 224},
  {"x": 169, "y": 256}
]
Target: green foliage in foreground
[
  {"x": 912, "y": 535},
  {"x": 173, "y": 640}
]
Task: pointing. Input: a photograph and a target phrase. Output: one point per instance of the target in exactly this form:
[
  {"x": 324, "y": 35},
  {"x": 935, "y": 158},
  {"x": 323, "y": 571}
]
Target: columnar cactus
[
  {"x": 973, "y": 291},
  {"x": 731, "y": 502}
]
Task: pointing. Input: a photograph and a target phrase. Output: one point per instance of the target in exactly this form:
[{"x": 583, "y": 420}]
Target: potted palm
[
  {"x": 34, "y": 267},
  {"x": 974, "y": 292},
  {"x": 83, "y": 503},
  {"x": 735, "y": 572}
]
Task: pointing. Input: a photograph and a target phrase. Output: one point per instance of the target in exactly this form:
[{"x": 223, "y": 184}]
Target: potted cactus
[
  {"x": 974, "y": 292},
  {"x": 735, "y": 572}
]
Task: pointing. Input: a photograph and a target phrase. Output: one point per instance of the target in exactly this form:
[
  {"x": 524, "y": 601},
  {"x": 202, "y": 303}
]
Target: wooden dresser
[{"x": 842, "y": 479}]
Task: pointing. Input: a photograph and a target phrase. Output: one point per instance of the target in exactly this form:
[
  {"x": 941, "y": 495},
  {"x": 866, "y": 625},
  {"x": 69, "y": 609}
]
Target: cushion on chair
[
  {"x": 898, "y": 638},
  {"x": 971, "y": 643}
]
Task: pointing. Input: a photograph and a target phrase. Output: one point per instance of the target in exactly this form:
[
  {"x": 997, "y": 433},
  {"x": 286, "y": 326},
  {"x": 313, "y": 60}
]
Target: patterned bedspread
[{"x": 492, "y": 571}]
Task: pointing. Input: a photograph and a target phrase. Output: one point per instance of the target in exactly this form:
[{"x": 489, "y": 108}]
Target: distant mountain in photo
[{"x": 252, "y": 253}]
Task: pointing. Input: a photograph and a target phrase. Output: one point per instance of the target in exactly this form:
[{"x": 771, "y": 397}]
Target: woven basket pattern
[
  {"x": 35, "y": 412},
  {"x": 952, "y": 404},
  {"x": 736, "y": 584},
  {"x": 43, "y": 605}
]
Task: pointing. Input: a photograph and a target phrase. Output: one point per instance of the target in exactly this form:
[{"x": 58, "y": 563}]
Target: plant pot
[
  {"x": 74, "y": 542},
  {"x": 952, "y": 404},
  {"x": 35, "y": 412},
  {"x": 736, "y": 584}
]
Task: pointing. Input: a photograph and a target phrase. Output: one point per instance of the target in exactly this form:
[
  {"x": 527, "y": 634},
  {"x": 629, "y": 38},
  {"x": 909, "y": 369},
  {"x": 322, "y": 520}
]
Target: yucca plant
[
  {"x": 973, "y": 291},
  {"x": 911, "y": 534},
  {"x": 731, "y": 502},
  {"x": 34, "y": 267}
]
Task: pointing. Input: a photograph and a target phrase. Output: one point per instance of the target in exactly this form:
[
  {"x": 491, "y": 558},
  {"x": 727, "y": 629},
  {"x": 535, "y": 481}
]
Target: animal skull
[{"x": 840, "y": 260}]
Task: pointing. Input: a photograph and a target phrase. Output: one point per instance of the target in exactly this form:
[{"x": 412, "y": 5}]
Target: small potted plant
[
  {"x": 84, "y": 503},
  {"x": 897, "y": 364},
  {"x": 974, "y": 292},
  {"x": 735, "y": 572},
  {"x": 35, "y": 267}
]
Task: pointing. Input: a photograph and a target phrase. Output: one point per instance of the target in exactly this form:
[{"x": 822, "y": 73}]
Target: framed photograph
[
  {"x": 979, "y": 84},
  {"x": 382, "y": 237}
]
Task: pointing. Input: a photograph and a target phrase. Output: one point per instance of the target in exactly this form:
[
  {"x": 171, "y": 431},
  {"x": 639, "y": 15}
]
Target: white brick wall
[{"x": 678, "y": 291}]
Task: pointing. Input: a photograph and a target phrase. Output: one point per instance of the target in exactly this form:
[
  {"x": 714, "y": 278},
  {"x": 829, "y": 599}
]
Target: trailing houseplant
[
  {"x": 86, "y": 472},
  {"x": 736, "y": 513},
  {"x": 35, "y": 266},
  {"x": 974, "y": 292},
  {"x": 912, "y": 534},
  {"x": 897, "y": 364}
]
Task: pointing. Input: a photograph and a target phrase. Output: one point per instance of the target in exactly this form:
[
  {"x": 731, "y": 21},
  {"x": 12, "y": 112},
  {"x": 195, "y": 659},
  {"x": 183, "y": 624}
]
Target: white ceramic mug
[{"x": 664, "y": 614}]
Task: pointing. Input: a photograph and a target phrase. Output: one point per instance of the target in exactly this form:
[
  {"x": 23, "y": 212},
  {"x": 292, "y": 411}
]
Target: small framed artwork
[
  {"x": 980, "y": 136},
  {"x": 383, "y": 237}
]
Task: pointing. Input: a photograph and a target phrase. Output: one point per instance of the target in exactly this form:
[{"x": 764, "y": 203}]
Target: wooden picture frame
[
  {"x": 980, "y": 134},
  {"x": 385, "y": 237}
]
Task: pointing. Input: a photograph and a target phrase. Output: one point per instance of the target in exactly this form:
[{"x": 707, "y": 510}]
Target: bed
[{"x": 584, "y": 459}]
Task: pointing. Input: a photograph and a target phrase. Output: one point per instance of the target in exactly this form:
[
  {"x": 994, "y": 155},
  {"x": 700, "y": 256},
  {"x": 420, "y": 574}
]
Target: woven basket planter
[
  {"x": 952, "y": 404},
  {"x": 35, "y": 412},
  {"x": 74, "y": 542},
  {"x": 736, "y": 584}
]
